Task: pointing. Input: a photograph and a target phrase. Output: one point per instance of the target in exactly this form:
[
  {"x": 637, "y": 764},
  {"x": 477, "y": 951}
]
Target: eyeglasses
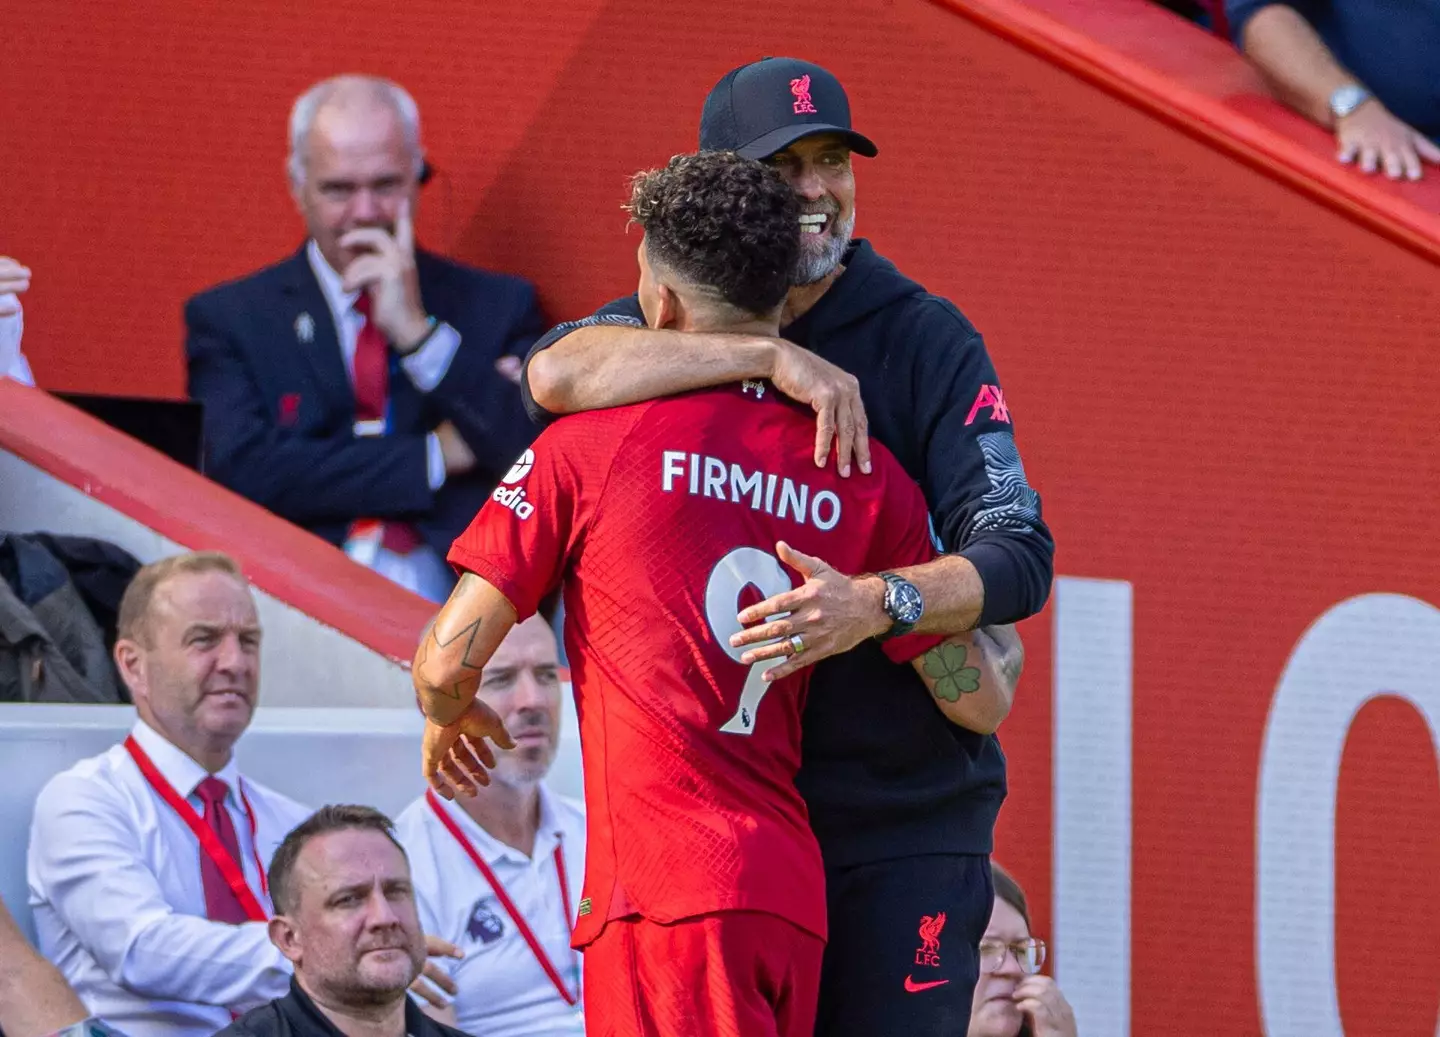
[{"x": 1029, "y": 955}]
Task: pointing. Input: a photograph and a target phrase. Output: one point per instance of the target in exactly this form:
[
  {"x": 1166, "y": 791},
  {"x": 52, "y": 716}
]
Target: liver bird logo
[
  {"x": 801, "y": 89},
  {"x": 930, "y": 926}
]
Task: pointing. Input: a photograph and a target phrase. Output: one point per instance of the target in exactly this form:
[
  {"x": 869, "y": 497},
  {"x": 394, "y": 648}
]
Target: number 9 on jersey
[{"x": 732, "y": 574}]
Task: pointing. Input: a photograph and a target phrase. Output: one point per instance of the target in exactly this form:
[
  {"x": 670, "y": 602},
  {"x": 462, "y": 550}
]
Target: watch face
[
  {"x": 1346, "y": 99},
  {"x": 906, "y": 605}
]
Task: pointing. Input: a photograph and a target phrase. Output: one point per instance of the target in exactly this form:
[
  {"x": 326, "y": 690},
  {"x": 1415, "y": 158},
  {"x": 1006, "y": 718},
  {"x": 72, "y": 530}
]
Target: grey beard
[
  {"x": 518, "y": 773},
  {"x": 521, "y": 775},
  {"x": 813, "y": 266}
]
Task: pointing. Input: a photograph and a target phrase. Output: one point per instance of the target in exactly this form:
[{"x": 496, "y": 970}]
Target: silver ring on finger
[{"x": 797, "y": 644}]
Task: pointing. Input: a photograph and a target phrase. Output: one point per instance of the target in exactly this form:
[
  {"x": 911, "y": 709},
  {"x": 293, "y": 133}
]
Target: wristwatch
[
  {"x": 1345, "y": 99},
  {"x": 903, "y": 604}
]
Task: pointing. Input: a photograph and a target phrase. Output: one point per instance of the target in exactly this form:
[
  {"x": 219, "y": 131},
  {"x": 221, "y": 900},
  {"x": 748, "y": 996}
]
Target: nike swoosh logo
[{"x": 914, "y": 988}]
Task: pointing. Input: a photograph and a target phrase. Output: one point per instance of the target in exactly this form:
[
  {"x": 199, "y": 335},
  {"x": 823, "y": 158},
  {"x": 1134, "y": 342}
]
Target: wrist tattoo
[
  {"x": 452, "y": 691},
  {"x": 945, "y": 664}
]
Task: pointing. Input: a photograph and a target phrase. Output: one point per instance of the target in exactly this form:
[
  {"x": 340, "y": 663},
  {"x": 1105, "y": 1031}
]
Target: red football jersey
[{"x": 661, "y": 520}]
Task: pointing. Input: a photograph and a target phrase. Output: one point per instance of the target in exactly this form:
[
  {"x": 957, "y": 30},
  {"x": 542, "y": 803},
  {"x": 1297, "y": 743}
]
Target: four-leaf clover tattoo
[{"x": 946, "y": 665}]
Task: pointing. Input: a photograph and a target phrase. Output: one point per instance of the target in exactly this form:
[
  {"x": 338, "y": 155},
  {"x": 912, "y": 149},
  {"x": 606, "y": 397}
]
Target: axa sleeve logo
[
  {"x": 513, "y": 497},
  {"x": 991, "y": 396}
]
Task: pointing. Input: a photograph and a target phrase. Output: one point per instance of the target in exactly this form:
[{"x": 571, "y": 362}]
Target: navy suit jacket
[{"x": 280, "y": 411}]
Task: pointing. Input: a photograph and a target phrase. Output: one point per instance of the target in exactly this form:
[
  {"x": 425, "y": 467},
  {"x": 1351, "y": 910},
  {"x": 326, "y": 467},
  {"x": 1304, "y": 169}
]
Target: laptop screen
[{"x": 172, "y": 427}]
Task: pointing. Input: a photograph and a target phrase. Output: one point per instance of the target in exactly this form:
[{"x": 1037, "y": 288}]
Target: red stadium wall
[{"x": 1223, "y": 384}]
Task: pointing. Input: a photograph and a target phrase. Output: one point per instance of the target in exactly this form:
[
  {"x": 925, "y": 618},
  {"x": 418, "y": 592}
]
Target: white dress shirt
[
  {"x": 119, "y": 903},
  {"x": 503, "y": 991},
  {"x": 12, "y": 361},
  {"x": 422, "y": 570}
]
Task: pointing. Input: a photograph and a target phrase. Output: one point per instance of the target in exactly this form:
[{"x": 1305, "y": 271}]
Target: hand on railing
[{"x": 1374, "y": 139}]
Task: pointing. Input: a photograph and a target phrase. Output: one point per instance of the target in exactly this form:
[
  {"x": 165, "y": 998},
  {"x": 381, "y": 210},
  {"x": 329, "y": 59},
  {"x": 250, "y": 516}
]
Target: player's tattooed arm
[
  {"x": 456, "y": 645},
  {"x": 973, "y": 676}
]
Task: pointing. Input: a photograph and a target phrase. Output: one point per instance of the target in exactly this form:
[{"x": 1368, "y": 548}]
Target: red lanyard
[
  {"x": 209, "y": 841},
  {"x": 507, "y": 903}
]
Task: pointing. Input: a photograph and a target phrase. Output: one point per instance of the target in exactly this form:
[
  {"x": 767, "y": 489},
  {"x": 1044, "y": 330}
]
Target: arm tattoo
[
  {"x": 945, "y": 664},
  {"x": 457, "y": 689},
  {"x": 424, "y": 656},
  {"x": 1011, "y": 666},
  {"x": 469, "y": 633}
]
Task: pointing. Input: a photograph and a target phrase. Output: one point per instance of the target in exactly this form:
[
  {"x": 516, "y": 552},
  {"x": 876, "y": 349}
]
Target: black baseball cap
[{"x": 767, "y": 105}]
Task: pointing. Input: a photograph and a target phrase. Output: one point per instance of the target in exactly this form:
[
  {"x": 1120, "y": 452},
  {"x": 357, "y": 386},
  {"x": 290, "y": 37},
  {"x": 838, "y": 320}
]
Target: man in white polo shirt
[
  {"x": 147, "y": 863},
  {"x": 499, "y": 874}
]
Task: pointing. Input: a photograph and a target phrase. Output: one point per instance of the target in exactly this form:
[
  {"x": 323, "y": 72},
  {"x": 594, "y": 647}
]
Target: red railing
[{"x": 280, "y": 559}]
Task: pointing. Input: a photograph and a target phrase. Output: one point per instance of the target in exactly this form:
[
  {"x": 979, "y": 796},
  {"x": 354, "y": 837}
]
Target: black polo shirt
[{"x": 295, "y": 1015}]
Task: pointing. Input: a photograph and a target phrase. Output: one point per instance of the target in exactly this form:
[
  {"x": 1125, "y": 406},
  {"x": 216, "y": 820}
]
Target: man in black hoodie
[{"x": 903, "y": 801}]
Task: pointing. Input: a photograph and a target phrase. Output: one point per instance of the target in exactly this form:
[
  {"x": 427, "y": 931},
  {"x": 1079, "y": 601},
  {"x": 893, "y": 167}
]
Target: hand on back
[{"x": 834, "y": 395}]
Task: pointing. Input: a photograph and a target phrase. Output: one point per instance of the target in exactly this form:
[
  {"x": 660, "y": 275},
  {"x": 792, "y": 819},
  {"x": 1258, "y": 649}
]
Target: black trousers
[{"x": 903, "y": 955}]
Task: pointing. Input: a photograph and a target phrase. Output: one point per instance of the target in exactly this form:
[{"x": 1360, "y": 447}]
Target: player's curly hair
[{"x": 728, "y": 225}]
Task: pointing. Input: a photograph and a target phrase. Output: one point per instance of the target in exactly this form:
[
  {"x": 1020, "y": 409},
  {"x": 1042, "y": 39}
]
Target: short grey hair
[{"x": 307, "y": 107}]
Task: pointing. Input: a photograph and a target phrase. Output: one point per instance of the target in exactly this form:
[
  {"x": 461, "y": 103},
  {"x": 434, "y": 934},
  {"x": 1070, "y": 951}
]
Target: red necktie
[
  {"x": 221, "y": 904},
  {"x": 372, "y": 398},
  {"x": 372, "y": 367}
]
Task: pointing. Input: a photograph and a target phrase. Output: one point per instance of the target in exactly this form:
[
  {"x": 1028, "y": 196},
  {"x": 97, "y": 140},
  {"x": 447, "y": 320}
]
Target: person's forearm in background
[
  {"x": 34, "y": 997},
  {"x": 1305, "y": 75},
  {"x": 1295, "y": 61}
]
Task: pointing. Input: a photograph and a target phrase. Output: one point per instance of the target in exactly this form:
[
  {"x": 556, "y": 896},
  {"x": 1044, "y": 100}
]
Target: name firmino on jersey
[{"x": 703, "y": 476}]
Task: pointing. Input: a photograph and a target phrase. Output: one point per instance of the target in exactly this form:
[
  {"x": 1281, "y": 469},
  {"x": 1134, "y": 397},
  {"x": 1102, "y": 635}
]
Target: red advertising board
[{"x": 1224, "y": 794}]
